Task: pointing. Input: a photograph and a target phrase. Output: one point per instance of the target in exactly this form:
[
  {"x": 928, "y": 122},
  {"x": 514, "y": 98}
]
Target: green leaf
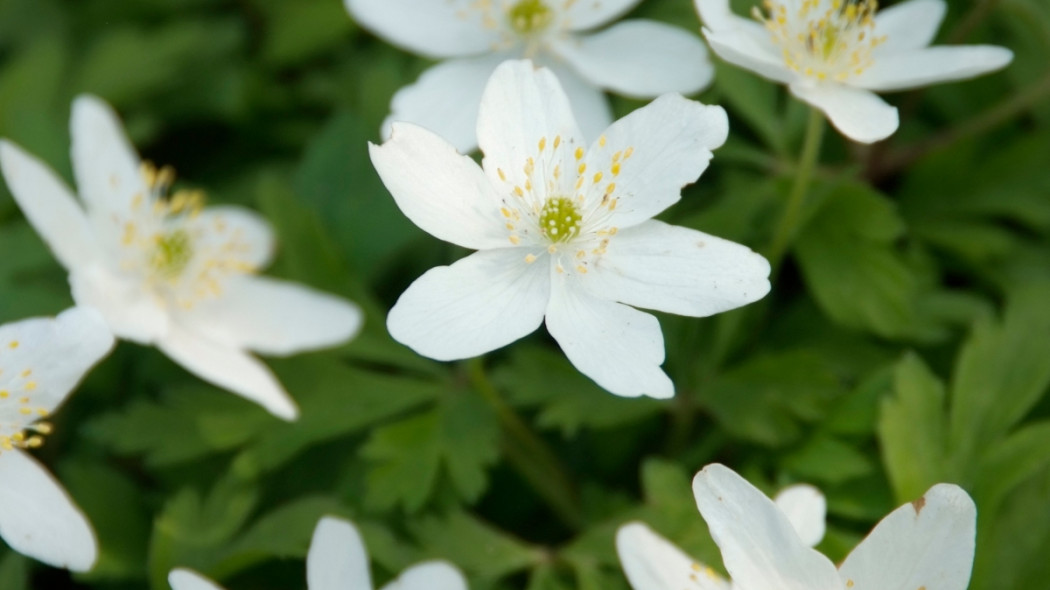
[
  {"x": 1002, "y": 371},
  {"x": 335, "y": 400},
  {"x": 460, "y": 435},
  {"x": 913, "y": 430},
  {"x": 768, "y": 398},
  {"x": 851, "y": 265},
  {"x": 337, "y": 179},
  {"x": 14, "y": 571},
  {"x": 541, "y": 378},
  {"x": 187, "y": 422},
  {"x": 483, "y": 551},
  {"x": 116, "y": 509},
  {"x": 283, "y": 533},
  {"x": 1011, "y": 462},
  {"x": 825, "y": 459}
]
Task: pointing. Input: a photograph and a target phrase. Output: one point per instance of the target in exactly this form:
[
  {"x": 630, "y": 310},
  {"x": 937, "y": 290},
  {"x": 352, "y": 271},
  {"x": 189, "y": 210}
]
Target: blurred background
[{"x": 906, "y": 341}]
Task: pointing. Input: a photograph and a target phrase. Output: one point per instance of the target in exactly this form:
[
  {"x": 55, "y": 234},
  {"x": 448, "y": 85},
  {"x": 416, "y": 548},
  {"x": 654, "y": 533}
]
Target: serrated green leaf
[
  {"x": 460, "y": 436},
  {"x": 482, "y": 550},
  {"x": 913, "y": 430},
  {"x": 540, "y": 378}
]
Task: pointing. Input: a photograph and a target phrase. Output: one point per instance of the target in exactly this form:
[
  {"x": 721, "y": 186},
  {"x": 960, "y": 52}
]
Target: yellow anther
[{"x": 579, "y": 153}]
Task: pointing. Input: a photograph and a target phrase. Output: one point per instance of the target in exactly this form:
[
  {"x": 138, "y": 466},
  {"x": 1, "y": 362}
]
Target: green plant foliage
[{"x": 906, "y": 340}]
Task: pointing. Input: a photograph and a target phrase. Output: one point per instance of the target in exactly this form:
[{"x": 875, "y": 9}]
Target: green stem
[
  {"x": 533, "y": 459},
  {"x": 804, "y": 173}
]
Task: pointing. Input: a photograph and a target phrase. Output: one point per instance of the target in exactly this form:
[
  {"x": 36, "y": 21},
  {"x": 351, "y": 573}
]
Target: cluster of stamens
[
  {"x": 824, "y": 40},
  {"x": 524, "y": 24},
  {"x": 540, "y": 212},
  {"x": 162, "y": 240},
  {"x": 20, "y": 427}
]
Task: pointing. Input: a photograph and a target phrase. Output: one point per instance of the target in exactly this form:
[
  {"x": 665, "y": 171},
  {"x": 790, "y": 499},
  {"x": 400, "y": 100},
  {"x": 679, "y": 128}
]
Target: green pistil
[
  {"x": 530, "y": 16},
  {"x": 172, "y": 253},
  {"x": 559, "y": 219}
]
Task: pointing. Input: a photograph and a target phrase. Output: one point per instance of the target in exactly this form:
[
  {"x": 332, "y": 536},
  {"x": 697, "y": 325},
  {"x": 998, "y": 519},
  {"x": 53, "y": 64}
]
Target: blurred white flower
[
  {"x": 651, "y": 562},
  {"x": 635, "y": 58},
  {"x": 564, "y": 231},
  {"x": 834, "y": 54},
  {"x": 337, "y": 560},
  {"x": 164, "y": 270},
  {"x": 41, "y": 361},
  {"x": 928, "y": 543}
]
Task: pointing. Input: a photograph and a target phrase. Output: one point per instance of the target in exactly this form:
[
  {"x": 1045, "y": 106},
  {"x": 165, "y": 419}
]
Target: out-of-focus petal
[
  {"x": 229, "y": 368},
  {"x": 49, "y": 207},
  {"x": 445, "y": 28},
  {"x": 859, "y": 114},
  {"x": 806, "y": 509},
  {"x": 654, "y": 563},
  {"x": 38, "y": 518},
  {"x": 337, "y": 559},
  {"x": 927, "y": 543},
  {"x": 445, "y": 100},
  {"x": 640, "y": 58}
]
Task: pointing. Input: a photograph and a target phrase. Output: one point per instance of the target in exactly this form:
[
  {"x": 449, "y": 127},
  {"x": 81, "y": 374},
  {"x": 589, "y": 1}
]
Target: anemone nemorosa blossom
[
  {"x": 164, "y": 270},
  {"x": 564, "y": 231},
  {"x": 337, "y": 560},
  {"x": 928, "y": 543},
  {"x": 636, "y": 58},
  {"x": 651, "y": 562},
  {"x": 41, "y": 361},
  {"x": 835, "y": 54}
]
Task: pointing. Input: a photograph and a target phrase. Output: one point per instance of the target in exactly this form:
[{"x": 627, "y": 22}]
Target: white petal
[
  {"x": 131, "y": 309},
  {"x": 678, "y": 270},
  {"x": 184, "y": 579},
  {"x": 742, "y": 41},
  {"x": 618, "y": 347},
  {"x": 588, "y": 14},
  {"x": 857, "y": 113},
  {"x": 640, "y": 58},
  {"x": 43, "y": 359},
  {"x": 444, "y": 193},
  {"x": 482, "y": 302},
  {"x": 49, "y": 206},
  {"x": 653, "y": 563},
  {"x": 908, "y": 25},
  {"x": 928, "y": 543},
  {"x": 664, "y": 146},
  {"x": 524, "y": 106},
  {"x": 273, "y": 317},
  {"x": 337, "y": 559},
  {"x": 38, "y": 518},
  {"x": 429, "y": 575},
  {"x": 445, "y": 100},
  {"x": 589, "y": 103},
  {"x": 759, "y": 546},
  {"x": 806, "y": 509},
  {"x": 106, "y": 166},
  {"x": 931, "y": 66},
  {"x": 229, "y": 368},
  {"x": 222, "y": 225},
  {"x": 448, "y": 28}
]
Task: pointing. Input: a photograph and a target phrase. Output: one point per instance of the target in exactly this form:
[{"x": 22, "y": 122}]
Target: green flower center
[
  {"x": 172, "y": 253},
  {"x": 530, "y": 16},
  {"x": 559, "y": 219}
]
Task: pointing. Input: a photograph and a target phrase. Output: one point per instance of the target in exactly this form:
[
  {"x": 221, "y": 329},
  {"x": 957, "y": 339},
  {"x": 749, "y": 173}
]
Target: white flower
[
  {"x": 564, "y": 231},
  {"x": 41, "y": 361},
  {"x": 636, "y": 58},
  {"x": 165, "y": 271},
  {"x": 928, "y": 543},
  {"x": 834, "y": 54},
  {"x": 653, "y": 563},
  {"x": 337, "y": 560}
]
